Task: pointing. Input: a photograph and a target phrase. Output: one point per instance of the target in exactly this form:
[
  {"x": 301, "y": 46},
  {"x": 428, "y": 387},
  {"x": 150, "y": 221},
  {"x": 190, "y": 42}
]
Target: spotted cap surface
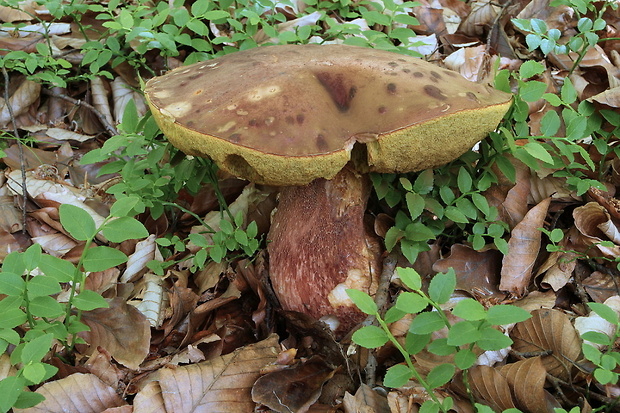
[{"x": 286, "y": 115}]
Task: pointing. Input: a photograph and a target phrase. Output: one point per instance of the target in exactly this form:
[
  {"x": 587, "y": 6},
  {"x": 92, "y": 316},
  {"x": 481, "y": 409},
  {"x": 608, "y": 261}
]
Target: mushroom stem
[{"x": 319, "y": 246}]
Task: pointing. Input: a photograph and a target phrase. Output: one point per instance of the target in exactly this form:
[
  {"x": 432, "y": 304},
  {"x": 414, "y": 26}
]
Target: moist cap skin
[{"x": 286, "y": 115}]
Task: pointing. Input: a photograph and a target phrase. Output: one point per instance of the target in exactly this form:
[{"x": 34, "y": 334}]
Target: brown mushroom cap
[{"x": 286, "y": 115}]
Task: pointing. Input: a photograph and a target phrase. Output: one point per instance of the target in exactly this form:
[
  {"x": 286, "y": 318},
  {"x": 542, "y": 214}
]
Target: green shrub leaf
[
  {"x": 77, "y": 222},
  {"x": 363, "y": 301},
  {"x": 370, "y": 337},
  {"x": 102, "y": 258},
  {"x": 124, "y": 228}
]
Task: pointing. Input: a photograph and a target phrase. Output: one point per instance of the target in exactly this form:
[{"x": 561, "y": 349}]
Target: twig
[
  {"x": 108, "y": 127},
  {"x": 22, "y": 162}
]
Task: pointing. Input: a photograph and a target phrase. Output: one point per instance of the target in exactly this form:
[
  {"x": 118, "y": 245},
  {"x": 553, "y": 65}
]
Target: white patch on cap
[
  {"x": 178, "y": 109},
  {"x": 259, "y": 93},
  {"x": 227, "y": 126},
  {"x": 162, "y": 94}
]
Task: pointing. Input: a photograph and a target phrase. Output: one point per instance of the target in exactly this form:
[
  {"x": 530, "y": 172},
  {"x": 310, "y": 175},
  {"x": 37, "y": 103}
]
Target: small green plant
[
  {"x": 476, "y": 330},
  {"x": 540, "y": 36},
  {"x": 567, "y": 155},
  {"x": 33, "y": 319},
  {"x": 607, "y": 360}
]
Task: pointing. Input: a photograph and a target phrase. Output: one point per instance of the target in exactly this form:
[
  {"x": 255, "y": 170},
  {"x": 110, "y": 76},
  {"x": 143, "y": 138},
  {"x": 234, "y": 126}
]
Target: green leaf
[
  {"x": 34, "y": 350},
  {"x": 363, "y": 301},
  {"x": 126, "y": 19},
  {"x": 532, "y": 91},
  {"x": 426, "y": 323},
  {"x": 88, "y": 300},
  {"x": 12, "y": 315},
  {"x": 397, "y": 376},
  {"x": 11, "y": 284},
  {"x": 415, "y": 204},
  {"x": 124, "y": 228},
  {"x": 441, "y": 347},
  {"x": 500, "y": 315},
  {"x": 440, "y": 375},
  {"x": 531, "y": 68},
  {"x": 454, "y": 214},
  {"x": 370, "y": 337},
  {"x": 32, "y": 256},
  {"x": 409, "y": 277},
  {"x": 568, "y": 92},
  {"x": 424, "y": 182},
  {"x": 102, "y": 258},
  {"x": 493, "y": 340},
  {"x": 199, "y": 8},
  {"x": 605, "y": 376},
  {"x": 10, "y": 388},
  {"x": 45, "y": 306},
  {"x": 463, "y": 332},
  {"x": 605, "y": 312},
  {"x": 442, "y": 286},
  {"x": 61, "y": 270},
  {"x": 469, "y": 309},
  {"x": 393, "y": 314},
  {"x": 538, "y": 151},
  {"x": 411, "y": 303},
  {"x": 550, "y": 123},
  {"x": 464, "y": 180},
  {"x": 77, "y": 222},
  {"x": 42, "y": 285},
  {"x": 216, "y": 15},
  {"x": 125, "y": 206},
  {"x": 464, "y": 359},
  {"x": 414, "y": 343}
]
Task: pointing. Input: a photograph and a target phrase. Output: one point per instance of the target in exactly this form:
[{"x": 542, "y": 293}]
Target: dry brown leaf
[
  {"x": 150, "y": 399},
  {"x": 523, "y": 248},
  {"x": 610, "y": 97},
  {"x": 600, "y": 286},
  {"x": 122, "y": 93},
  {"x": 549, "y": 330},
  {"x": 476, "y": 272},
  {"x": 481, "y": 17},
  {"x": 10, "y": 215},
  {"x": 558, "y": 268},
  {"x": 366, "y": 400},
  {"x": 120, "y": 329},
  {"x": 222, "y": 384},
  {"x": 84, "y": 393},
  {"x": 589, "y": 219},
  {"x": 100, "y": 93},
  {"x": 527, "y": 378},
  {"x": 26, "y": 94},
  {"x": 145, "y": 251},
  {"x": 293, "y": 389},
  {"x": 10, "y": 14},
  {"x": 489, "y": 387}
]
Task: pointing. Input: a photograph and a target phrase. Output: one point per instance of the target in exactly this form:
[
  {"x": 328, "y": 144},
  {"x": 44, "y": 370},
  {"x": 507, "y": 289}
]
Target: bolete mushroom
[{"x": 297, "y": 115}]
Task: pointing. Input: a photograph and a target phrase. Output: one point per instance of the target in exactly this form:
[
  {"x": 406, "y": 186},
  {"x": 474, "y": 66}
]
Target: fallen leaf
[
  {"x": 293, "y": 389},
  {"x": 523, "y": 249},
  {"x": 221, "y": 385},
  {"x": 549, "y": 330},
  {"x": 83, "y": 393},
  {"x": 120, "y": 329}
]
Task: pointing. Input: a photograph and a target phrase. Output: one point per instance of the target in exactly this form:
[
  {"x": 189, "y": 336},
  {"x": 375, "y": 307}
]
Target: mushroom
[{"x": 296, "y": 116}]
